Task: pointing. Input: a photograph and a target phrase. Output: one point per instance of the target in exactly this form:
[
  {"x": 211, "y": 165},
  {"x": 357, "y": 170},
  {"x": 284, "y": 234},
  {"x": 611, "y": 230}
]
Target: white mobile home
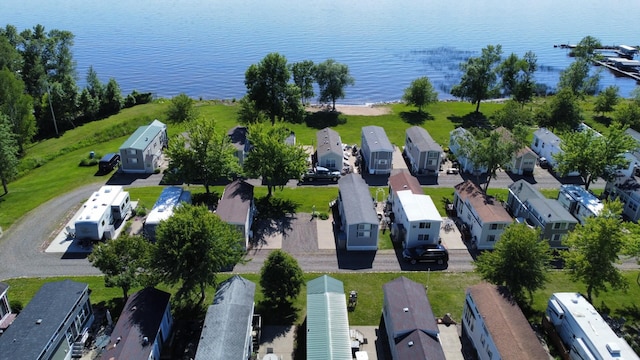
[
  {"x": 416, "y": 220},
  {"x": 103, "y": 209},
  {"x": 376, "y": 150},
  {"x": 170, "y": 197},
  {"x": 580, "y": 202},
  {"x": 583, "y": 330}
]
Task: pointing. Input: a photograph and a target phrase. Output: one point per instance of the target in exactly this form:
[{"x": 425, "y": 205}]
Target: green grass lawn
[{"x": 446, "y": 292}]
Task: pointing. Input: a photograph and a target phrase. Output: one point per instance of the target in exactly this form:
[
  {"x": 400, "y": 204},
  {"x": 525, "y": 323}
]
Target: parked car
[
  {"x": 321, "y": 173},
  {"x": 543, "y": 163},
  {"x": 426, "y": 253}
]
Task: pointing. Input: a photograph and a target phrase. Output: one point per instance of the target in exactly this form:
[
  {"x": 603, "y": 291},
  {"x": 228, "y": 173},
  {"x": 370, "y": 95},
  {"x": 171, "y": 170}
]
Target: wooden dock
[{"x": 633, "y": 75}]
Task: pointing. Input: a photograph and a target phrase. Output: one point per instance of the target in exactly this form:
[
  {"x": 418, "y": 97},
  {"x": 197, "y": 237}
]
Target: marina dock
[{"x": 633, "y": 75}]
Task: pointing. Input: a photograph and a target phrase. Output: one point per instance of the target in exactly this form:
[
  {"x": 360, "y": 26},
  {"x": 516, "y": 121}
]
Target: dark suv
[
  {"x": 321, "y": 173},
  {"x": 426, "y": 253}
]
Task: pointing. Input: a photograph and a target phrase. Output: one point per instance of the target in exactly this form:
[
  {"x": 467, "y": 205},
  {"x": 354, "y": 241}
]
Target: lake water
[{"x": 203, "y": 47}]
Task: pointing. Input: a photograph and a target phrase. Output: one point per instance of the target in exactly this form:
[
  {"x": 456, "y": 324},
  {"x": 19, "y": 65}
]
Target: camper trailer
[
  {"x": 583, "y": 330},
  {"x": 99, "y": 214},
  {"x": 580, "y": 202},
  {"x": 170, "y": 197}
]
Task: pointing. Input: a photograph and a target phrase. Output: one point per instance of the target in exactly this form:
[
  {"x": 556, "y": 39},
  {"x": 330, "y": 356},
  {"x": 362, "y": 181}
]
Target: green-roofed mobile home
[
  {"x": 327, "y": 320},
  {"x": 142, "y": 151}
]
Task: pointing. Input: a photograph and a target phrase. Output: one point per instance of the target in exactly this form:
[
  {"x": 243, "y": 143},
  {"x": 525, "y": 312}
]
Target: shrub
[
  {"x": 323, "y": 216},
  {"x": 16, "y": 306},
  {"x": 89, "y": 162}
]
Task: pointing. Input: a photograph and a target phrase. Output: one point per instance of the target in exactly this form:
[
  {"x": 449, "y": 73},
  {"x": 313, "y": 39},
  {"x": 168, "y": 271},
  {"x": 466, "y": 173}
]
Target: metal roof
[
  {"x": 422, "y": 140},
  {"x": 418, "y": 206},
  {"x": 546, "y": 136},
  {"x": 98, "y": 203},
  {"x": 141, "y": 317},
  {"x": 143, "y": 136},
  {"x": 525, "y": 191},
  {"x": 356, "y": 200},
  {"x": 595, "y": 330},
  {"x": 327, "y": 321},
  {"x": 328, "y": 142},
  {"x": 376, "y": 138},
  {"x": 579, "y": 194},
  {"x": 169, "y": 198},
  {"x": 551, "y": 210},
  {"x": 226, "y": 325},
  {"x": 38, "y": 322}
]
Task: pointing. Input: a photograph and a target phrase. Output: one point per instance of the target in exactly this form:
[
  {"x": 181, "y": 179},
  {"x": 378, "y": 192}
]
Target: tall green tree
[
  {"x": 192, "y": 247},
  {"x": 17, "y": 106},
  {"x": 586, "y": 48},
  {"x": 594, "y": 155},
  {"x": 479, "y": 76},
  {"x": 525, "y": 86},
  {"x": 332, "y": 77},
  {"x": 511, "y": 116},
  {"x": 593, "y": 251},
  {"x": 519, "y": 261},
  {"x": 628, "y": 114},
  {"x": 124, "y": 261},
  {"x": 9, "y": 55},
  {"x": 563, "y": 112},
  {"x": 8, "y": 153},
  {"x": 266, "y": 84},
  {"x": 304, "y": 77},
  {"x": 181, "y": 109},
  {"x": 577, "y": 79},
  {"x": 631, "y": 246},
  {"x": 420, "y": 93},
  {"x": 248, "y": 113},
  {"x": 272, "y": 159},
  {"x": 281, "y": 278},
  {"x": 203, "y": 153},
  {"x": 607, "y": 100},
  {"x": 113, "y": 101}
]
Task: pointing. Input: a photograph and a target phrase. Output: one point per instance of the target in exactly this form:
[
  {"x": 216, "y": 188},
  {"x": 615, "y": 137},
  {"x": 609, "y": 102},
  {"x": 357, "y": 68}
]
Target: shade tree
[
  {"x": 479, "y": 77},
  {"x": 304, "y": 77},
  {"x": 8, "y": 153},
  {"x": 332, "y": 77},
  {"x": 181, "y": 109},
  {"x": 266, "y": 84},
  {"x": 420, "y": 93},
  {"x": 281, "y": 278}
]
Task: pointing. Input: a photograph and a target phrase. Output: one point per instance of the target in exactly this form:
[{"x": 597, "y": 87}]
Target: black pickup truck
[{"x": 321, "y": 174}]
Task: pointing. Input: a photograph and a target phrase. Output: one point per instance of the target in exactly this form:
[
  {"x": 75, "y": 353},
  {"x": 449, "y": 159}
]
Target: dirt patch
[{"x": 363, "y": 110}]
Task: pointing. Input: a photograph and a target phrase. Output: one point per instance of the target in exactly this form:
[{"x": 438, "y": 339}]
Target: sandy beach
[{"x": 365, "y": 110}]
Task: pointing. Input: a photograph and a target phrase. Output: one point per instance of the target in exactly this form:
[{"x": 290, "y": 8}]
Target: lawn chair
[
  {"x": 71, "y": 232},
  {"x": 353, "y": 300}
]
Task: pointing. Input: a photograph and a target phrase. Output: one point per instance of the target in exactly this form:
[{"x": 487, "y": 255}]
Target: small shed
[{"x": 376, "y": 150}]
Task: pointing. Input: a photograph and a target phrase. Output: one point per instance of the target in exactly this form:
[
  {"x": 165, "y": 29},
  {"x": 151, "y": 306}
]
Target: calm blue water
[{"x": 203, "y": 47}]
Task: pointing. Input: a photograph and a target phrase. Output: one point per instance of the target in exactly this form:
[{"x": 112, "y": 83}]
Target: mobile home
[
  {"x": 377, "y": 151},
  {"x": 99, "y": 214},
  {"x": 170, "y": 197}
]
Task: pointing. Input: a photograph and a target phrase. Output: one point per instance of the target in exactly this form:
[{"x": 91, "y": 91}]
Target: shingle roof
[
  {"x": 422, "y": 140},
  {"x": 235, "y": 203},
  {"x": 376, "y": 138},
  {"x": 225, "y": 328},
  {"x": 328, "y": 142},
  {"x": 509, "y": 329},
  {"x": 327, "y": 321},
  {"x": 525, "y": 191},
  {"x": 357, "y": 202},
  {"x": 488, "y": 208},
  {"x": 412, "y": 319},
  {"x": 403, "y": 180},
  {"x": 26, "y": 339},
  {"x": 141, "y": 317},
  {"x": 551, "y": 210},
  {"x": 3, "y": 287},
  {"x": 143, "y": 136}
]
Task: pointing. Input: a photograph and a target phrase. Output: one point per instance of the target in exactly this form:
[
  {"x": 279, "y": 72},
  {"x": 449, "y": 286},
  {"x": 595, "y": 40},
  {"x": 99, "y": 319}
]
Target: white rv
[
  {"x": 580, "y": 202},
  {"x": 99, "y": 214},
  {"x": 584, "y": 331},
  {"x": 170, "y": 197}
]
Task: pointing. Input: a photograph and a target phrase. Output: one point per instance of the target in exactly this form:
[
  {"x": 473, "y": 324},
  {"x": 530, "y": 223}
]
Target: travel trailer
[
  {"x": 580, "y": 202},
  {"x": 170, "y": 197},
  {"x": 104, "y": 208},
  {"x": 584, "y": 331}
]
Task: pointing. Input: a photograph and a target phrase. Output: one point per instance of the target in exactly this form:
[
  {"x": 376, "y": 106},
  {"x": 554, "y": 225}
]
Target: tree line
[{"x": 39, "y": 96}]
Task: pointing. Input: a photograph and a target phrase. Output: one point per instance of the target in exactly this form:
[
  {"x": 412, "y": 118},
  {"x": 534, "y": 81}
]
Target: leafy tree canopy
[
  {"x": 181, "y": 109},
  {"x": 594, "y": 249},
  {"x": 192, "y": 247},
  {"x": 479, "y": 76},
  {"x": 563, "y": 112},
  {"x": 519, "y": 261},
  {"x": 8, "y": 153},
  {"x": 332, "y": 78},
  {"x": 266, "y": 84},
  {"x": 281, "y": 278},
  {"x": 607, "y": 100},
  {"x": 304, "y": 77},
  {"x": 577, "y": 79},
  {"x": 420, "y": 93}
]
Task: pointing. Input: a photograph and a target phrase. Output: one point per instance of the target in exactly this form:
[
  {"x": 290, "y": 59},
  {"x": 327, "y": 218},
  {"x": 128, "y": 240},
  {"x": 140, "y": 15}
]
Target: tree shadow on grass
[
  {"x": 274, "y": 313},
  {"x": 324, "y": 118},
  {"x": 415, "y": 117},
  {"x": 469, "y": 120},
  {"x": 602, "y": 119}
]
